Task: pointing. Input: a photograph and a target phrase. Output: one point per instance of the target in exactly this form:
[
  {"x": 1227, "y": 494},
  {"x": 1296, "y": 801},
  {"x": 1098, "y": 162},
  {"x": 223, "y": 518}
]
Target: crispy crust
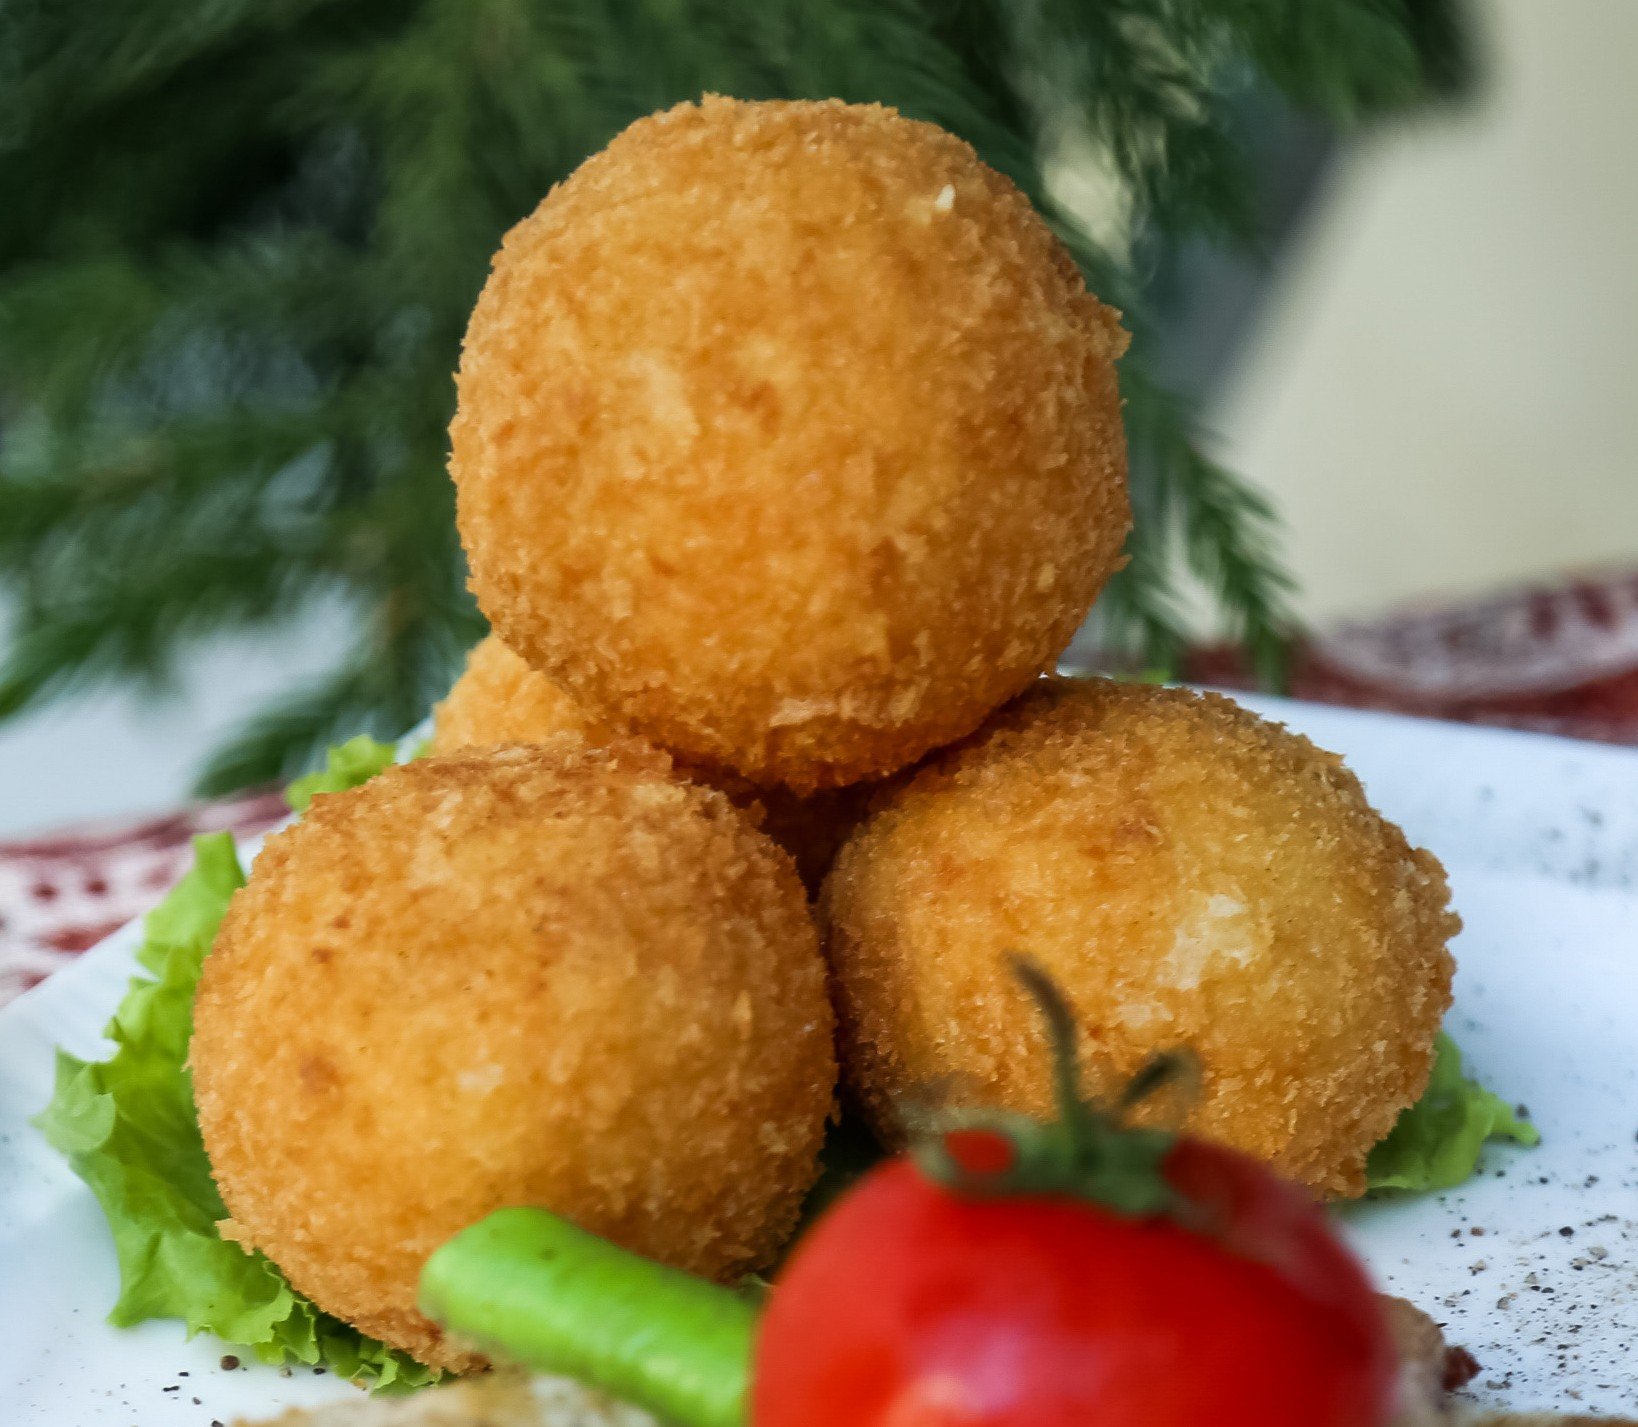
[
  {"x": 788, "y": 436},
  {"x": 1190, "y": 875},
  {"x": 556, "y": 975},
  {"x": 500, "y": 699}
]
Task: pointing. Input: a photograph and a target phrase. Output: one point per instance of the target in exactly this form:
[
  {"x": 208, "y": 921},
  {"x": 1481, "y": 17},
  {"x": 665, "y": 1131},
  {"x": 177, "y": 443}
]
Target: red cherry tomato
[{"x": 911, "y": 1306}]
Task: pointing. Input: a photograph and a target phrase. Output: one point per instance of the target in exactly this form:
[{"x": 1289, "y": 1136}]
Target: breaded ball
[
  {"x": 788, "y": 437},
  {"x": 555, "y": 975},
  {"x": 499, "y": 699},
  {"x": 1190, "y": 875}
]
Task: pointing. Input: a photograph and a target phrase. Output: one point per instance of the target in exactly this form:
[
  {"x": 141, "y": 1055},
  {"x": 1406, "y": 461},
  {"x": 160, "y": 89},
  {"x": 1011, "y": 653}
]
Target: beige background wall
[{"x": 1445, "y": 396}]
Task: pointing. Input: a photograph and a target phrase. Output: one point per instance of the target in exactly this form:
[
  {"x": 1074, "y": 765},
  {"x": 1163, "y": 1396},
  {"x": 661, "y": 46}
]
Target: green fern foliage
[{"x": 239, "y": 243}]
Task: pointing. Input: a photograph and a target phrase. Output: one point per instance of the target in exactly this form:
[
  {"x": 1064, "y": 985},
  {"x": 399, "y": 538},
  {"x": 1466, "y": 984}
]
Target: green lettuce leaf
[
  {"x": 127, "y": 1127},
  {"x": 1436, "y": 1143},
  {"x": 345, "y": 766}
]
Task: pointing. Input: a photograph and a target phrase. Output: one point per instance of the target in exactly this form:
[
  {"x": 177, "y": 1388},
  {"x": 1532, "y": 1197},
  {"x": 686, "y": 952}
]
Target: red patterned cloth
[
  {"x": 1561, "y": 658},
  {"x": 63, "y": 893}
]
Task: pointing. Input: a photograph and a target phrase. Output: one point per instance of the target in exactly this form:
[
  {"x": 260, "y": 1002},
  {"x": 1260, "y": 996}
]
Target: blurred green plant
[{"x": 239, "y": 243}]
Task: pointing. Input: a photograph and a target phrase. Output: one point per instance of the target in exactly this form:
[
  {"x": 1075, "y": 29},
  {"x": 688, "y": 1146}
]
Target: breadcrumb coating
[
  {"x": 499, "y": 699},
  {"x": 555, "y": 975},
  {"x": 1191, "y": 876},
  {"x": 788, "y": 436}
]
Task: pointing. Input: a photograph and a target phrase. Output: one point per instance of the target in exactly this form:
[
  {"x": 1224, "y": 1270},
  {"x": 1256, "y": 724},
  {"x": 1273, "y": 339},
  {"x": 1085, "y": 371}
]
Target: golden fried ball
[
  {"x": 1190, "y": 875},
  {"x": 554, "y": 975},
  {"x": 499, "y": 699},
  {"x": 788, "y": 436}
]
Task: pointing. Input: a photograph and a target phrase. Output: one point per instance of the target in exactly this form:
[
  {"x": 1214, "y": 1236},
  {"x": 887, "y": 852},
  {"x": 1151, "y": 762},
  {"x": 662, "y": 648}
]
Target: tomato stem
[
  {"x": 531, "y": 1288},
  {"x": 1061, "y": 1038},
  {"x": 1085, "y": 1150}
]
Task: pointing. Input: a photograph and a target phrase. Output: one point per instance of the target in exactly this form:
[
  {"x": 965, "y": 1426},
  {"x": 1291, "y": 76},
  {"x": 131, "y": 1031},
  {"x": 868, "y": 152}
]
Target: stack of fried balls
[{"x": 788, "y": 459}]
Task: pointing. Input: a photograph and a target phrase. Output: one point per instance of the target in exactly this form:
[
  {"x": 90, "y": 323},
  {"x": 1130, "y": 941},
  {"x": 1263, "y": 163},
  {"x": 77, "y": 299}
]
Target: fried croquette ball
[
  {"x": 788, "y": 437},
  {"x": 554, "y": 975},
  {"x": 499, "y": 699},
  {"x": 1189, "y": 875}
]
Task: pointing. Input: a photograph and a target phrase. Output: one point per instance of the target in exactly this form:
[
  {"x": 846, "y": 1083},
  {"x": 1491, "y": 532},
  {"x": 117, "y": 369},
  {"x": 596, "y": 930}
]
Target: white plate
[{"x": 1541, "y": 839}]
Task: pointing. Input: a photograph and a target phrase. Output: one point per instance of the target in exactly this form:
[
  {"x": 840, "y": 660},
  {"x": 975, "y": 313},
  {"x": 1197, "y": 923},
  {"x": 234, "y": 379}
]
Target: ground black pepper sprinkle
[{"x": 229, "y": 1362}]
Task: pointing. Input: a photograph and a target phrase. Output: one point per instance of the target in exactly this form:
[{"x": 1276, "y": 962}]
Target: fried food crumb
[
  {"x": 498, "y": 698},
  {"x": 788, "y": 437},
  {"x": 1191, "y": 876},
  {"x": 556, "y": 975}
]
